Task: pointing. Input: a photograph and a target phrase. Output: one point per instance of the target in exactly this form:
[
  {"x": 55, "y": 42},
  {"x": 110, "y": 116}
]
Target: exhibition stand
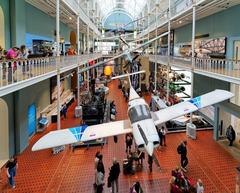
[
  {"x": 42, "y": 124},
  {"x": 100, "y": 141},
  {"x": 50, "y": 112}
]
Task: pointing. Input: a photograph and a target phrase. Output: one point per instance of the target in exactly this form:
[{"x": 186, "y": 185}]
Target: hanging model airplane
[{"x": 142, "y": 123}]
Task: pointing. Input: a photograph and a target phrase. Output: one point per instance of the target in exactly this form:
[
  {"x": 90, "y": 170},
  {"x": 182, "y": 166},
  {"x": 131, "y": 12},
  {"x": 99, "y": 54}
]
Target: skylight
[{"x": 132, "y": 7}]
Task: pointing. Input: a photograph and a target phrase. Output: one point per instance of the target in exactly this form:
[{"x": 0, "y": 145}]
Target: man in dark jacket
[
  {"x": 231, "y": 135},
  {"x": 114, "y": 174},
  {"x": 182, "y": 150}
]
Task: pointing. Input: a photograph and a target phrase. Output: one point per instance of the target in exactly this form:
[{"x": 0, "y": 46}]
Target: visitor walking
[
  {"x": 128, "y": 141},
  {"x": 136, "y": 188},
  {"x": 11, "y": 167},
  {"x": 113, "y": 175},
  {"x": 231, "y": 135},
  {"x": 182, "y": 150},
  {"x": 64, "y": 110},
  {"x": 164, "y": 132},
  {"x": 99, "y": 179}
]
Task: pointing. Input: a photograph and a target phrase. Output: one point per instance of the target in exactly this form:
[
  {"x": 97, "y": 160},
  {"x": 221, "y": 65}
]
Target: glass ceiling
[{"x": 132, "y": 7}]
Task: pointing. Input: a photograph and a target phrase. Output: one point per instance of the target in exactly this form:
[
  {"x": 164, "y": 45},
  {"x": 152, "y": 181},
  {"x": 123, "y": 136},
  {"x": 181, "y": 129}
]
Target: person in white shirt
[
  {"x": 164, "y": 132},
  {"x": 99, "y": 180},
  {"x": 200, "y": 188}
]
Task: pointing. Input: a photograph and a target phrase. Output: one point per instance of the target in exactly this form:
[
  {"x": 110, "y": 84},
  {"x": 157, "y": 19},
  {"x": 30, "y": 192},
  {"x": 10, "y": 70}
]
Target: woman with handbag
[{"x": 99, "y": 180}]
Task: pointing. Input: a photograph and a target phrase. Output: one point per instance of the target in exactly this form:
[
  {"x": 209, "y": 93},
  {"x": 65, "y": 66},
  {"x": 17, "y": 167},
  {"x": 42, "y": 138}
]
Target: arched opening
[
  {"x": 117, "y": 20},
  {"x": 2, "y": 33},
  {"x": 73, "y": 39},
  {"x": 4, "y": 135}
]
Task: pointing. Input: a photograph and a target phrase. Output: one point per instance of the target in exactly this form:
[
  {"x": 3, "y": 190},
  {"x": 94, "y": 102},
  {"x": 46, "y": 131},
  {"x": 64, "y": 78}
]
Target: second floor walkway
[
  {"x": 17, "y": 74},
  {"x": 222, "y": 69}
]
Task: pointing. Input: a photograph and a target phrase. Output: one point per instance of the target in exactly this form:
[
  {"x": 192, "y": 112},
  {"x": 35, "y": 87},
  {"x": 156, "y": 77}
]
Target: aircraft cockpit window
[{"x": 139, "y": 113}]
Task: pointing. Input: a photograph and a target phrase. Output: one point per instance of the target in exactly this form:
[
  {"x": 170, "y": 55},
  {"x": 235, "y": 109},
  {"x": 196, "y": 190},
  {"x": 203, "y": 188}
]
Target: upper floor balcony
[
  {"x": 181, "y": 13},
  {"x": 222, "y": 69},
  {"x": 17, "y": 74}
]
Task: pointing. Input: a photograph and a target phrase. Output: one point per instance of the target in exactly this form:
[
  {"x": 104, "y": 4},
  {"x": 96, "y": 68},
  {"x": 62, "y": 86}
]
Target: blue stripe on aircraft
[
  {"x": 78, "y": 131},
  {"x": 196, "y": 101}
]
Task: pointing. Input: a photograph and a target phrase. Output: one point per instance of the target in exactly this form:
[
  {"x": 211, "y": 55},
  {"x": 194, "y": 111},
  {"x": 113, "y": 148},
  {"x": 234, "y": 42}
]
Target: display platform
[
  {"x": 42, "y": 124},
  {"x": 51, "y": 110},
  {"x": 97, "y": 142},
  {"x": 101, "y": 141},
  {"x": 201, "y": 124},
  {"x": 179, "y": 124},
  {"x": 87, "y": 144}
]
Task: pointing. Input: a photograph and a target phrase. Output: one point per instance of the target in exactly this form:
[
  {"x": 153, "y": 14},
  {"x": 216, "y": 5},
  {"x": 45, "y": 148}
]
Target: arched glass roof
[{"x": 132, "y": 7}]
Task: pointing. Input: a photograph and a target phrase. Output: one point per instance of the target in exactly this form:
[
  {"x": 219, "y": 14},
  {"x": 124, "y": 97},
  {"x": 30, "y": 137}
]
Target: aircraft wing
[
  {"x": 82, "y": 133},
  {"x": 190, "y": 106}
]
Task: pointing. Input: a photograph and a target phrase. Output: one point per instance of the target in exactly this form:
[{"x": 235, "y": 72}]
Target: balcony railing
[
  {"x": 177, "y": 8},
  {"x": 14, "y": 71},
  {"x": 225, "y": 69}
]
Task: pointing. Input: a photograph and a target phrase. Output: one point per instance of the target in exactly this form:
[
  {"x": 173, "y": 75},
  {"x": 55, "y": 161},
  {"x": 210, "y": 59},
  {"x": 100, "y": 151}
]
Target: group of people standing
[
  {"x": 100, "y": 174},
  {"x": 112, "y": 180},
  {"x": 180, "y": 183},
  {"x": 14, "y": 53}
]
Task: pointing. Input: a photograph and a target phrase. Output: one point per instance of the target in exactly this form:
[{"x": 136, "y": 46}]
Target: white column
[
  {"x": 155, "y": 67},
  {"x": 58, "y": 67},
  {"x": 193, "y": 50},
  {"x": 169, "y": 46},
  {"x": 78, "y": 52},
  {"x": 78, "y": 36},
  {"x": 88, "y": 45},
  {"x": 57, "y": 27}
]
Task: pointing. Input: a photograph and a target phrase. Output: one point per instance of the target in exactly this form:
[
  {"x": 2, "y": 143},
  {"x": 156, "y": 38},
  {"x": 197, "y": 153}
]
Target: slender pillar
[
  {"x": 216, "y": 122},
  {"x": 58, "y": 66},
  {"x": 193, "y": 50},
  {"x": 155, "y": 66},
  {"x": 148, "y": 26},
  {"x": 78, "y": 52},
  {"x": 94, "y": 69},
  {"x": 169, "y": 46},
  {"x": 88, "y": 45}
]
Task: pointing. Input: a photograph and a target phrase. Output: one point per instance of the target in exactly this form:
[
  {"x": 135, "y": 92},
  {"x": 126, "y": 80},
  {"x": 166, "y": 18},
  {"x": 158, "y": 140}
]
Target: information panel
[{"x": 31, "y": 119}]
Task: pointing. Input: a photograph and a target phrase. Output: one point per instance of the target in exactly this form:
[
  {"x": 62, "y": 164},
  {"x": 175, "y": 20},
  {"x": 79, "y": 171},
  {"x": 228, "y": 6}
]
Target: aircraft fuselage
[{"x": 143, "y": 127}]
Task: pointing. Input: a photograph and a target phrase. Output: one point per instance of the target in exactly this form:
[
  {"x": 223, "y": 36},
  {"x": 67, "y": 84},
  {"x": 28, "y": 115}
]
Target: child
[{"x": 200, "y": 188}]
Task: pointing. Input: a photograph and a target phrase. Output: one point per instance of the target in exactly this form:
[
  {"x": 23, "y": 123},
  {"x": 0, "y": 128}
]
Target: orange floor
[{"x": 66, "y": 172}]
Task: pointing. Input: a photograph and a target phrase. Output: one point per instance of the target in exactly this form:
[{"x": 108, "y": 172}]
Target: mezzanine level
[
  {"x": 222, "y": 69},
  {"x": 17, "y": 74}
]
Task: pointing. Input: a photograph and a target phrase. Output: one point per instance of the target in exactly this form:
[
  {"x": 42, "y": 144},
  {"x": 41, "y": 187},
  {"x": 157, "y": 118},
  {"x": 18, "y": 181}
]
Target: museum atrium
[{"x": 125, "y": 96}]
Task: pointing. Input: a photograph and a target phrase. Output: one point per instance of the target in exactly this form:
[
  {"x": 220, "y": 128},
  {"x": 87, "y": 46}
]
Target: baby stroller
[{"x": 128, "y": 166}]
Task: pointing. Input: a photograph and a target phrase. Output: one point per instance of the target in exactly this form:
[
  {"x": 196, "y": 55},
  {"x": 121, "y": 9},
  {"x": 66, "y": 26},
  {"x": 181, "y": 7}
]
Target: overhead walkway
[
  {"x": 222, "y": 69},
  {"x": 17, "y": 74}
]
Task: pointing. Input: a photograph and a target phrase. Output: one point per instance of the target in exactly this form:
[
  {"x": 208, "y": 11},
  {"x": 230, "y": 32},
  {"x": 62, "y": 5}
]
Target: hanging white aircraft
[{"x": 142, "y": 123}]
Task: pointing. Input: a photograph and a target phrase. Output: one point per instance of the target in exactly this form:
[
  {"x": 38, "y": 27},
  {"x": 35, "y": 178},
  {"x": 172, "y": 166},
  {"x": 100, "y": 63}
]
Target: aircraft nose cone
[{"x": 150, "y": 148}]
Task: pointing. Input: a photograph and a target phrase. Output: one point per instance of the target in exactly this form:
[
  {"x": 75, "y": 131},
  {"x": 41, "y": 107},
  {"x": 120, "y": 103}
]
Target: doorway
[
  {"x": 4, "y": 137},
  {"x": 2, "y": 30},
  {"x": 236, "y": 52}
]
